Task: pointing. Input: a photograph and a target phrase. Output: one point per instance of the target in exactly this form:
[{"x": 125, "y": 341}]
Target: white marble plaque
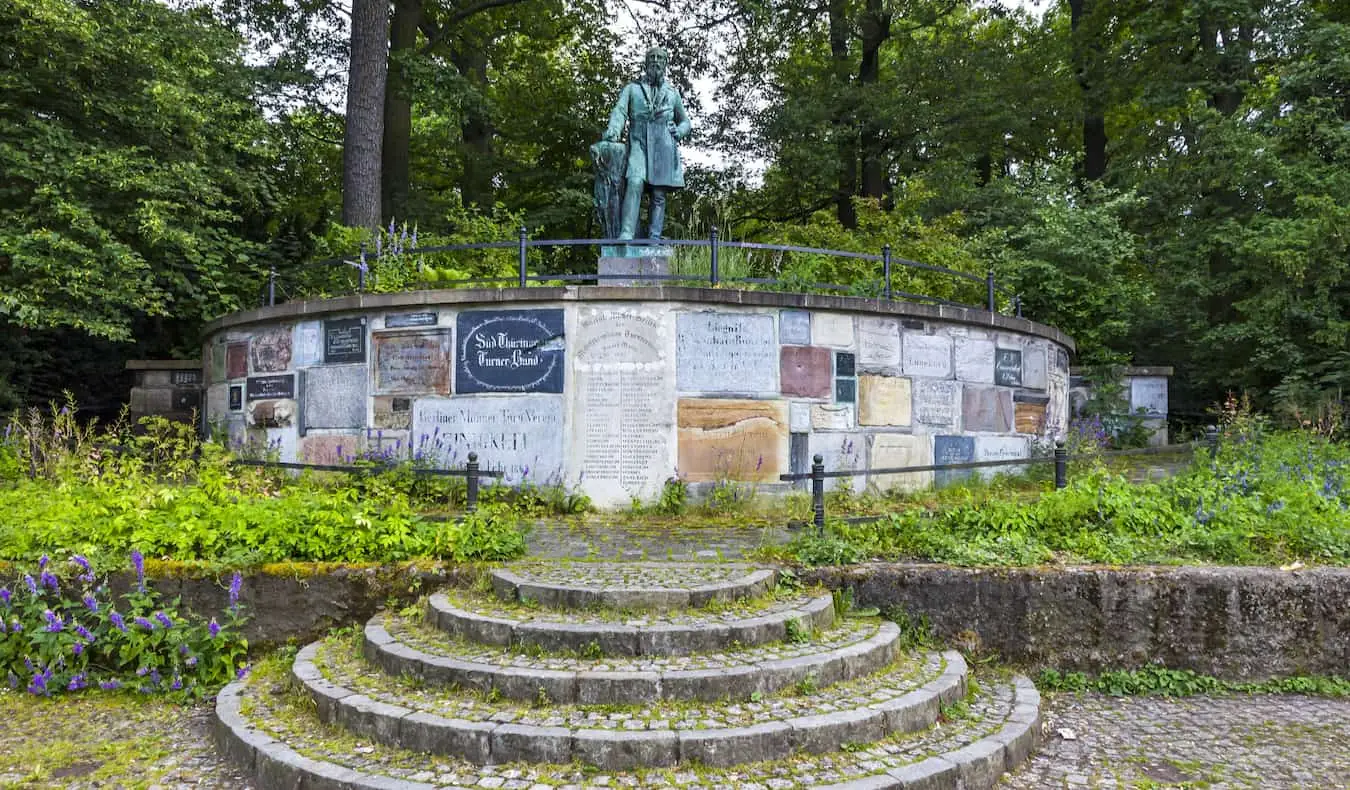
[
  {"x": 1001, "y": 448},
  {"x": 841, "y": 451},
  {"x": 521, "y": 435},
  {"x": 334, "y": 396},
  {"x": 1149, "y": 393},
  {"x": 937, "y": 404},
  {"x": 974, "y": 360},
  {"x": 794, "y": 328},
  {"x": 832, "y": 329},
  {"x": 892, "y": 451},
  {"x": 623, "y": 407},
  {"x": 1057, "y": 411},
  {"x": 832, "y": 417},
  {"x": 1033, "y": 367},
  {"x": 878, "y": 343},
  {"x": 929, "y": 356},
  {"x": 308, "y": 344},
  {"x": 726, "y": 352},
  {"x": 799, "y": 417}
]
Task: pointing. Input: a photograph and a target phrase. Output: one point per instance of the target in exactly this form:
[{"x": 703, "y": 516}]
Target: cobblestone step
[
  {"x": 275, "y": 738},
  {"x": 669, "y": 633},
  {"x": 904, "y": 697},
  {"x": 659, "y": 586},
  {"x": 410, "y": 647}
]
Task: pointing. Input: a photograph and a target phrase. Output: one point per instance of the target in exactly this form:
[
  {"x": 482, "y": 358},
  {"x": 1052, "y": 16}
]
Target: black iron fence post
[
  {"x": 272, "y": 286},
  {"x": 818, "y": 494},
  {"x": 886, "y": 268},
  {"x": 1212, "y": 439},
  {"x": 713, "y": 274},
  {"x": 471, "y": 479},
  {"x": 1061, "y": 464},
  {"x": 524, "y": 237},
  {"x": 361, "y": 271},
  {"x": 989, "y": 285}
]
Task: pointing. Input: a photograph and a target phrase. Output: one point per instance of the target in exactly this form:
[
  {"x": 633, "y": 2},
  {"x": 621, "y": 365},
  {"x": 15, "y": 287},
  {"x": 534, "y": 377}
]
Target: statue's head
[{"x": 654, "y": 65}]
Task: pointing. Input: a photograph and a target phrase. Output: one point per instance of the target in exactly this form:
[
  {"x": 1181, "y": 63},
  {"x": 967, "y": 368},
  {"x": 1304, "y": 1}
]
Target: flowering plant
[{"x": 68, "y": 634}]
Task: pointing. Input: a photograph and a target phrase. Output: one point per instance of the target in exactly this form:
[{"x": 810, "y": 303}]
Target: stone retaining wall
[{"x": 1234, "y": 623}]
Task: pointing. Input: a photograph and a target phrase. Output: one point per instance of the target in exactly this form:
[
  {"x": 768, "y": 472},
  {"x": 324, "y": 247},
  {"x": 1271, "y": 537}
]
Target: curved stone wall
[{"x": 613, "y": 390}]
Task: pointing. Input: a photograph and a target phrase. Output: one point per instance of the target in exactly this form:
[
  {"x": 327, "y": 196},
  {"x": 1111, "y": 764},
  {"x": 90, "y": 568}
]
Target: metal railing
[
  {"x": 884, "y": 286},
  {"x": 471, "y": 472},
  {"x": 1060, "y": 458}
]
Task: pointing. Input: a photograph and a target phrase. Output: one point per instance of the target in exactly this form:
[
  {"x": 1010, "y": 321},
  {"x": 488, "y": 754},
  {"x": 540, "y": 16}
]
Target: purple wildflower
[
  {"x": 110, "y": 685},
  {"x": 76, "y": 683},
  {"x": 32, "y": 585},
  {"x": 15, "y": 627},
  {"x": 49, "y": 580},
  {"x": 177, "y": 684},
  {"x": 154, "y": 676},
  {"x": 91, "y": 602},
  {"x": 164, "y": 619},
  {"x": 42, "y": 562},
  {"x": 77, "y": 648},
  {"x": 241, "y": 673},
  {"x": 84, "y": 633},
  {"x": 214, "y": 628},
  {"x": 118, "y": 622},
  {"x": 5, "y": 595},
  {"x": 236, "y": 584},
  {"x": 82, "y": 562},
  {"x": 138, "y": 562},
  {"x": 144, "y": 623},
  {"x": 192, "y": 661},
  {"x": 142, "y": 672},
  {"x": 54, "y": 622},
  {"x": 38, "y": 685},
  {"x": 182, "y": 650},
  {"x": 2, "y": 626}
]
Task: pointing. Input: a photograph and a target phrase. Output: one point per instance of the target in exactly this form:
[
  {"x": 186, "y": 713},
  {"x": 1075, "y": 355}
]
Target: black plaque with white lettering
[
  {"x": 845, "y": 390},
  {"x": 401, "y": 320},
  {"x": 271, "y": 387},
  {"x": 187, "y": 378},
  {"x": 844, "y": 364},
  {"x": 1008, "y": 367},
  {"x": 236, "y": 398},
  {"x": 509, "y": 351},
  {"x": 344, "y": 341}
]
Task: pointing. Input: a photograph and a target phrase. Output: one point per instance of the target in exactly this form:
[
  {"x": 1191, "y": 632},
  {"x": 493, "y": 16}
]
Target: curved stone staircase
[{"x": 632, "y": 675}]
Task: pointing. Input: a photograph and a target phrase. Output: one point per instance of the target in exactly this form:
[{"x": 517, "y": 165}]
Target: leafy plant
[{"x": 492, "y": 532}]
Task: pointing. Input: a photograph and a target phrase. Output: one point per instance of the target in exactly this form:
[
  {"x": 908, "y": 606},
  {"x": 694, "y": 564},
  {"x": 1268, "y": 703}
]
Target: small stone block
[
  {"x": 934, "y": 773},
  {"x": 736, "y": 745},
  {"x": 608, "y": 688},
  {"x": 617, "y": 750},
  {"x": 376, "y": 720},
  {"x": 794, "y": 328},
  {"x": 980, "y": 763},
  {"x": 710, "y": 685},
  {"x": 827, "y": 731},
  {"x": 845, "y": 364},
  {"x": 468, "y": 740},
  {"x": 987, "y": 409},
  {"x": 520, "y": 683},
  {"x": 1029, "y": 418},
  {"x": 1017, "y": 740},
  {"x": 805, "y": 371},
  {"x": 522, "y": 743},
  {"x": 845, "y": 390},
  {"x": 884, "y": 400},
  {"x": 910, "y": 712}
]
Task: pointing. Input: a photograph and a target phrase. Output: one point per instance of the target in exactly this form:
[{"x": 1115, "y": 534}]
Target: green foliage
[
  {"x": 491, "y": 532},
  {"x": 1185, "y": 683},
  {"x": 69, "y": 634},
  {"x": 674, "y": 497}
]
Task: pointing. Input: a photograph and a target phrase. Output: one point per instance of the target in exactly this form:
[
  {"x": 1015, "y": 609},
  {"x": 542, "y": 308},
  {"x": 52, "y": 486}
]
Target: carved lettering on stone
[
  {"x": 884, "y": 400},
  {"x": 952, "y": 450},
  {"x": 344, "y": 340},
  {"x": 308, "y": 344},
  {"x": 929, "y": 356},
  {"x": 334, "y": 397},
  {"x": 726, "y": 352},
  {"x": 836, "y": 417},
  {"x": 891, "y": 451},
  {"x": 974, "y": 360},
  {"x": 521, "y": 435},
  {"x": 742, "y": 440},
  {"x": 794, "y": 328},
  {"x": 799, "y": 417},
  {"x": 987, "y": 409},
  {"x": 1008, "y": 367},
  {"x": 937, "y": 404},
  {"x": 805, "y": 371},
  {"x": 878, "y": 343},
  {"x": 1149, "y": 393},
  {"x": 393, "y": 412},
  {"x": 832, "y": 329},
  {"x": 412, "y": 363},
  {"x": 1001, "y": 448}
]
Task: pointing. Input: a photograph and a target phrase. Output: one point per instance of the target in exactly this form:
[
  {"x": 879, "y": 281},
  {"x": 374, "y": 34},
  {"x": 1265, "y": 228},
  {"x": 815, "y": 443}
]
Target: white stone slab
[
  {"x": 1034, "y": 367},
  {"x": 1057, "y": 411},
  {"x": 1001, "y": 448},
  {"x": 623, "y": 404},
  {"x": 832, "y": 417},
  {"x": 1149, "y": 393},
  {"x": 937, "y": 405},
  {"x": 929, "y": 356},
  {"x": 794, "y": 328},
  {"x": 832, "y": 329},
  {"x": 334, "y": 396},
  {"x": 841, "y": 451},
  {"x": 974, "y": 360},
  {"x": 521, "y": 435},
  {"x": 308, "y": 344},
  {"x": 799, "y": 418},
  {"x": 890, "y": 451},
  {"x": 878, "y": 343},
  {"x": 726, "y": 352}
]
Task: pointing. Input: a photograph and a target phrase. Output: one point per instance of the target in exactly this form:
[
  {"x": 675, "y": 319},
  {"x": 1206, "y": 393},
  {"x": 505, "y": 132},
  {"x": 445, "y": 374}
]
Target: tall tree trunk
[
  {"x": 396, "y": 176},
  {"x": 876, "y": 29},
  {"x": 845, "y": 131},
  {"x": 476, "y": 182},
  {"x": 364, "y": 129},
  {"x": 1087, "y": 63}
]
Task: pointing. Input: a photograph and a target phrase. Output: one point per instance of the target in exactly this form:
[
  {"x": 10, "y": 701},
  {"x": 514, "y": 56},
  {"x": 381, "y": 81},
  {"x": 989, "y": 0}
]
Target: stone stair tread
[
  {"x": 278, "y": 738},
  {"x": 630, "y": 585},
  {"x": 489, "y": 620},
  {"x": 408, "y": 646}
]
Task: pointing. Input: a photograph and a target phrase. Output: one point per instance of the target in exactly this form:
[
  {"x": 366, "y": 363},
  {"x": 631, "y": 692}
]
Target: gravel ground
[
  {"x": 1260, "y": 741},
  {"x": 722, "y": 614}
]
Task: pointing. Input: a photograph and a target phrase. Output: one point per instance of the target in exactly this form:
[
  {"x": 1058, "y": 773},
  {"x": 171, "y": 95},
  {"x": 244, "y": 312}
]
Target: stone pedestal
[
  {"x": 166, "y": 387},
  {"x": 641, "y": 261}
]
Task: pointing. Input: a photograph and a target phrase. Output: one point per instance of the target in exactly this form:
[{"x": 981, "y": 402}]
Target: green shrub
[{"x": 492, "y": 532}]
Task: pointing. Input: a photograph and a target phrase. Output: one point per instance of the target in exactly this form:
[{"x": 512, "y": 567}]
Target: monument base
[{"x": 638, "y": 261}]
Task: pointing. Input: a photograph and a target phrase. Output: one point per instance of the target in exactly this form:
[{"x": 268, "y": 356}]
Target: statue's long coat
[{"x": 653, "y": 155}]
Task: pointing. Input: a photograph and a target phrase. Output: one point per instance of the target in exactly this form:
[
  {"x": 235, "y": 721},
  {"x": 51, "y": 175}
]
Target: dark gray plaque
[
  {"x": 236, "y": 398},
  {"x": 844, "y": 363},
  {"x": 845, "y": 390},
  {"x": 187, "y": 378},
  {"x": 401, "y": 320},
  {"x": 953, "y": 450},
  {"x": 186, "y": 400},
  {"x": 509, "y": 351},
  {"x": 1008, "y": 367},
  {"x": 344, "y": 340},
  {"x": 271, "y": 387}
]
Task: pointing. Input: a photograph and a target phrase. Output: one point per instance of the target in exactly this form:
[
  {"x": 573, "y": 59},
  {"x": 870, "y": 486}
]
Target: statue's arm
[
  {"x": 618, "y": 117},
  {"x": 681, "y": 118}
]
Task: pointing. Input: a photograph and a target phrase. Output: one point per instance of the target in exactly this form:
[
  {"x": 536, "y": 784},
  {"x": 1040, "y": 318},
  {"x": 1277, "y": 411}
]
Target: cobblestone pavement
[
  {"x": 601, "y": 540},
  {"x": 1259, "y": 741}
]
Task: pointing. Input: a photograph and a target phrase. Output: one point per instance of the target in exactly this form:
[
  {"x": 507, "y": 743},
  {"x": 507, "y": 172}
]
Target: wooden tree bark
[
  {"x": 476, "y": 181},
  {"x": 876, "y": 29},
  {"x": 364, "y": 131},
  {"x": 1087, "y": 53},
  {"x": 845, "y": 130},
  {"x": 396, "y": 176}
]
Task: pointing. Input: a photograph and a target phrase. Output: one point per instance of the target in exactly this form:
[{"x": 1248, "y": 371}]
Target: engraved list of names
[{"x": 624, "y": 404}]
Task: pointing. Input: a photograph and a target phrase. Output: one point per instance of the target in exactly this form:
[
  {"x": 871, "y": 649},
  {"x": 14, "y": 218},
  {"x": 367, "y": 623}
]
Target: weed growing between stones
[
  {"x": 1185, "y": 683},
  {"x": 67, "y": 635}
]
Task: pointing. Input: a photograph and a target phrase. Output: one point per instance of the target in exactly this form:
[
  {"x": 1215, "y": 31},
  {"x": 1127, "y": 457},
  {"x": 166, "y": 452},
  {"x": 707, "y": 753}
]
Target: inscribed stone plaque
[
  {"x": 794, "y": 328},
  {"x": 1149, "y": 393},
  {"x": 236, "y": 397},
  {"x": 271, "y": 387},
  {"x": 845, "y": 390},
  {"x": 279, "y": 413},
  {"x": 1001, "y": 448},
  {"x": 1057, "y": 412},
  {"x": 841, "y": 452},
  {"x": 952, "y": 450},
  {"x": 186, "y": 378},
  {"x": 974, "y": 360},
  {"x": 987, "y": 409},
  {"x": 878, "y": 342},
  {"x": 805, "y": 371},
  {"x": 1008, "y": 367},
  {"x": 1029, "y": 418},
  {"x": 937, "y": 404},
  {"x": 883, "y": 400},
  {"x": 344, "y": 340},
  {"x": 217, "y": 401},
  {"x": 331, "y": 448},
  {"x": 509, "y": 351},
  {"x": 187, "y": 400},
  {"x": 831, "y": 418},
  {"x": 623, "y": 404},
  {"x": 308, "y": 344},
  {"x": 1033, "y": 368},
  {"x": 845, "y": 364},
  {"x": 726, "y": 352},
  {"x": 271, "y": 351},
  {"x": 799, "y": 417},
  {"x": 411, "y": 363},
  {"x": 236, "y": 360},
  {"x": 393, "y": 412},
  {"x": 334, "y": 397},
  {"x": 742, "y": 440},
  {"x": 216, "y": 352},
  {"x": 890, "y": 451},
  {"x": 832, "y": 329},
  {"x": 927, "y": 355},
  {"x": 521, "y": 435},
  {"x": 405, "y": 320}
]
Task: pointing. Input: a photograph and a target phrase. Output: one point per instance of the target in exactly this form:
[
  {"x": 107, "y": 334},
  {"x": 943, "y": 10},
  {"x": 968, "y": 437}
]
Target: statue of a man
[{"x": 656, "y": 122}]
